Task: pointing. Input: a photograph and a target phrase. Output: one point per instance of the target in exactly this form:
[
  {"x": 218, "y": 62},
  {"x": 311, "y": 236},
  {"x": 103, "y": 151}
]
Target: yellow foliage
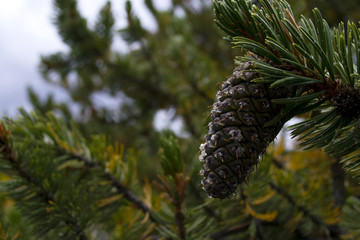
[
  {"x": 316, "y": 162},
  {"x": 129, "y": 216},
  {"x": 268, "y": 216},
  {"x": 74, "y": 163},
  {"x": 263, "y": 199},
  {"x": 332, "y": 215},
  {"x": 148, "y": 193},
  {"x": 297, "y": 162},
  {"x": 347, "y": 236},
  {"x": 115, "y": 154},
  {"x": 4, "y": 235},
  {"x": 280, "y": 149},
  {"x": 312, "y": 186},
  {"x": 63, "y": 144},
  {"x": 16, "y": 236},
  {"x": 109, "y": 200},
  {"x": 4, "y": 177},
  {"x": 148, "y": 231},
  {"x": 8, "y": 204}
]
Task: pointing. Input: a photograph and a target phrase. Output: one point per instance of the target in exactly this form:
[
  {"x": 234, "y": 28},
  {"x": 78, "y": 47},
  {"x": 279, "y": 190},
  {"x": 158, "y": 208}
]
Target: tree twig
[
  {"x": 122, "y": 189},
  {"x": 179, "y": 219}
]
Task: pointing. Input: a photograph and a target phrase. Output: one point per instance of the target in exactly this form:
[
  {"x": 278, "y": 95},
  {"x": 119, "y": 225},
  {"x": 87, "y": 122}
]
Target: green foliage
[
  {"x": 12, "y": 224},
  {"x": 174, "y": 183},
  {"x": 42, "y": 168},
  {"x": 351, "y": 211},
  {"x": 170, "y": 154},
  {"x": 44, "y": 156}
]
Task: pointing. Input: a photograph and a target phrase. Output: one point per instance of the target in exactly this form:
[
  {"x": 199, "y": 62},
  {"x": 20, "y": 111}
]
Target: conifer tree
[{"x": 102, "y": 174}]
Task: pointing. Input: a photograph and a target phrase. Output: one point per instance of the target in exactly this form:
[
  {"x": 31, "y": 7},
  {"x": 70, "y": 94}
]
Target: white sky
[{"x": 27, "y": 32}]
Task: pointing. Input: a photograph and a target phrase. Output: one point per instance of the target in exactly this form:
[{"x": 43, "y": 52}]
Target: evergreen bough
[{"x": 287, "y": 69}]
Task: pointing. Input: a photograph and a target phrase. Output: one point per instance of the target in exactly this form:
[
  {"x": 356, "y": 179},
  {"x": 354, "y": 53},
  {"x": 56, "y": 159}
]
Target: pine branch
[
  {"x": 68, "y": 148},
  {"x": 9, "y": 155},
  {"x": 122, "y": 189},
  {"x": 293, "y": 202},
  {"x": 175, "y": 179},
  {"x": 70, "y": 144},
  {"x": 175, "y": 187},
  {"x": 317, "y": 220},
  {"x": 338, "y": 177},
  {"x": 319, "y": 66},
  {"x": 180, "y": 219}
]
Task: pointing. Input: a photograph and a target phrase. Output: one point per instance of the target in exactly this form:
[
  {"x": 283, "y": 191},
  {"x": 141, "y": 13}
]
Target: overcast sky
[{"x": 27, "y": 32}]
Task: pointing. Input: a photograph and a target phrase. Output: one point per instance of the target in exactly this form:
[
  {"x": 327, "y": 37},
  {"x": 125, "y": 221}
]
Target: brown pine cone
[{"x": 237, "y": 137}]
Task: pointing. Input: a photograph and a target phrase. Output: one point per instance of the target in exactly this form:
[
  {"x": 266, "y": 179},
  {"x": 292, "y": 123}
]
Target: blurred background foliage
[{"x": 177, "y": 68}]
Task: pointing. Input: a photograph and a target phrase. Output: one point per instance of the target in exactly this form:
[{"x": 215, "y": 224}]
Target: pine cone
[{"x": 237, "y": 136}]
